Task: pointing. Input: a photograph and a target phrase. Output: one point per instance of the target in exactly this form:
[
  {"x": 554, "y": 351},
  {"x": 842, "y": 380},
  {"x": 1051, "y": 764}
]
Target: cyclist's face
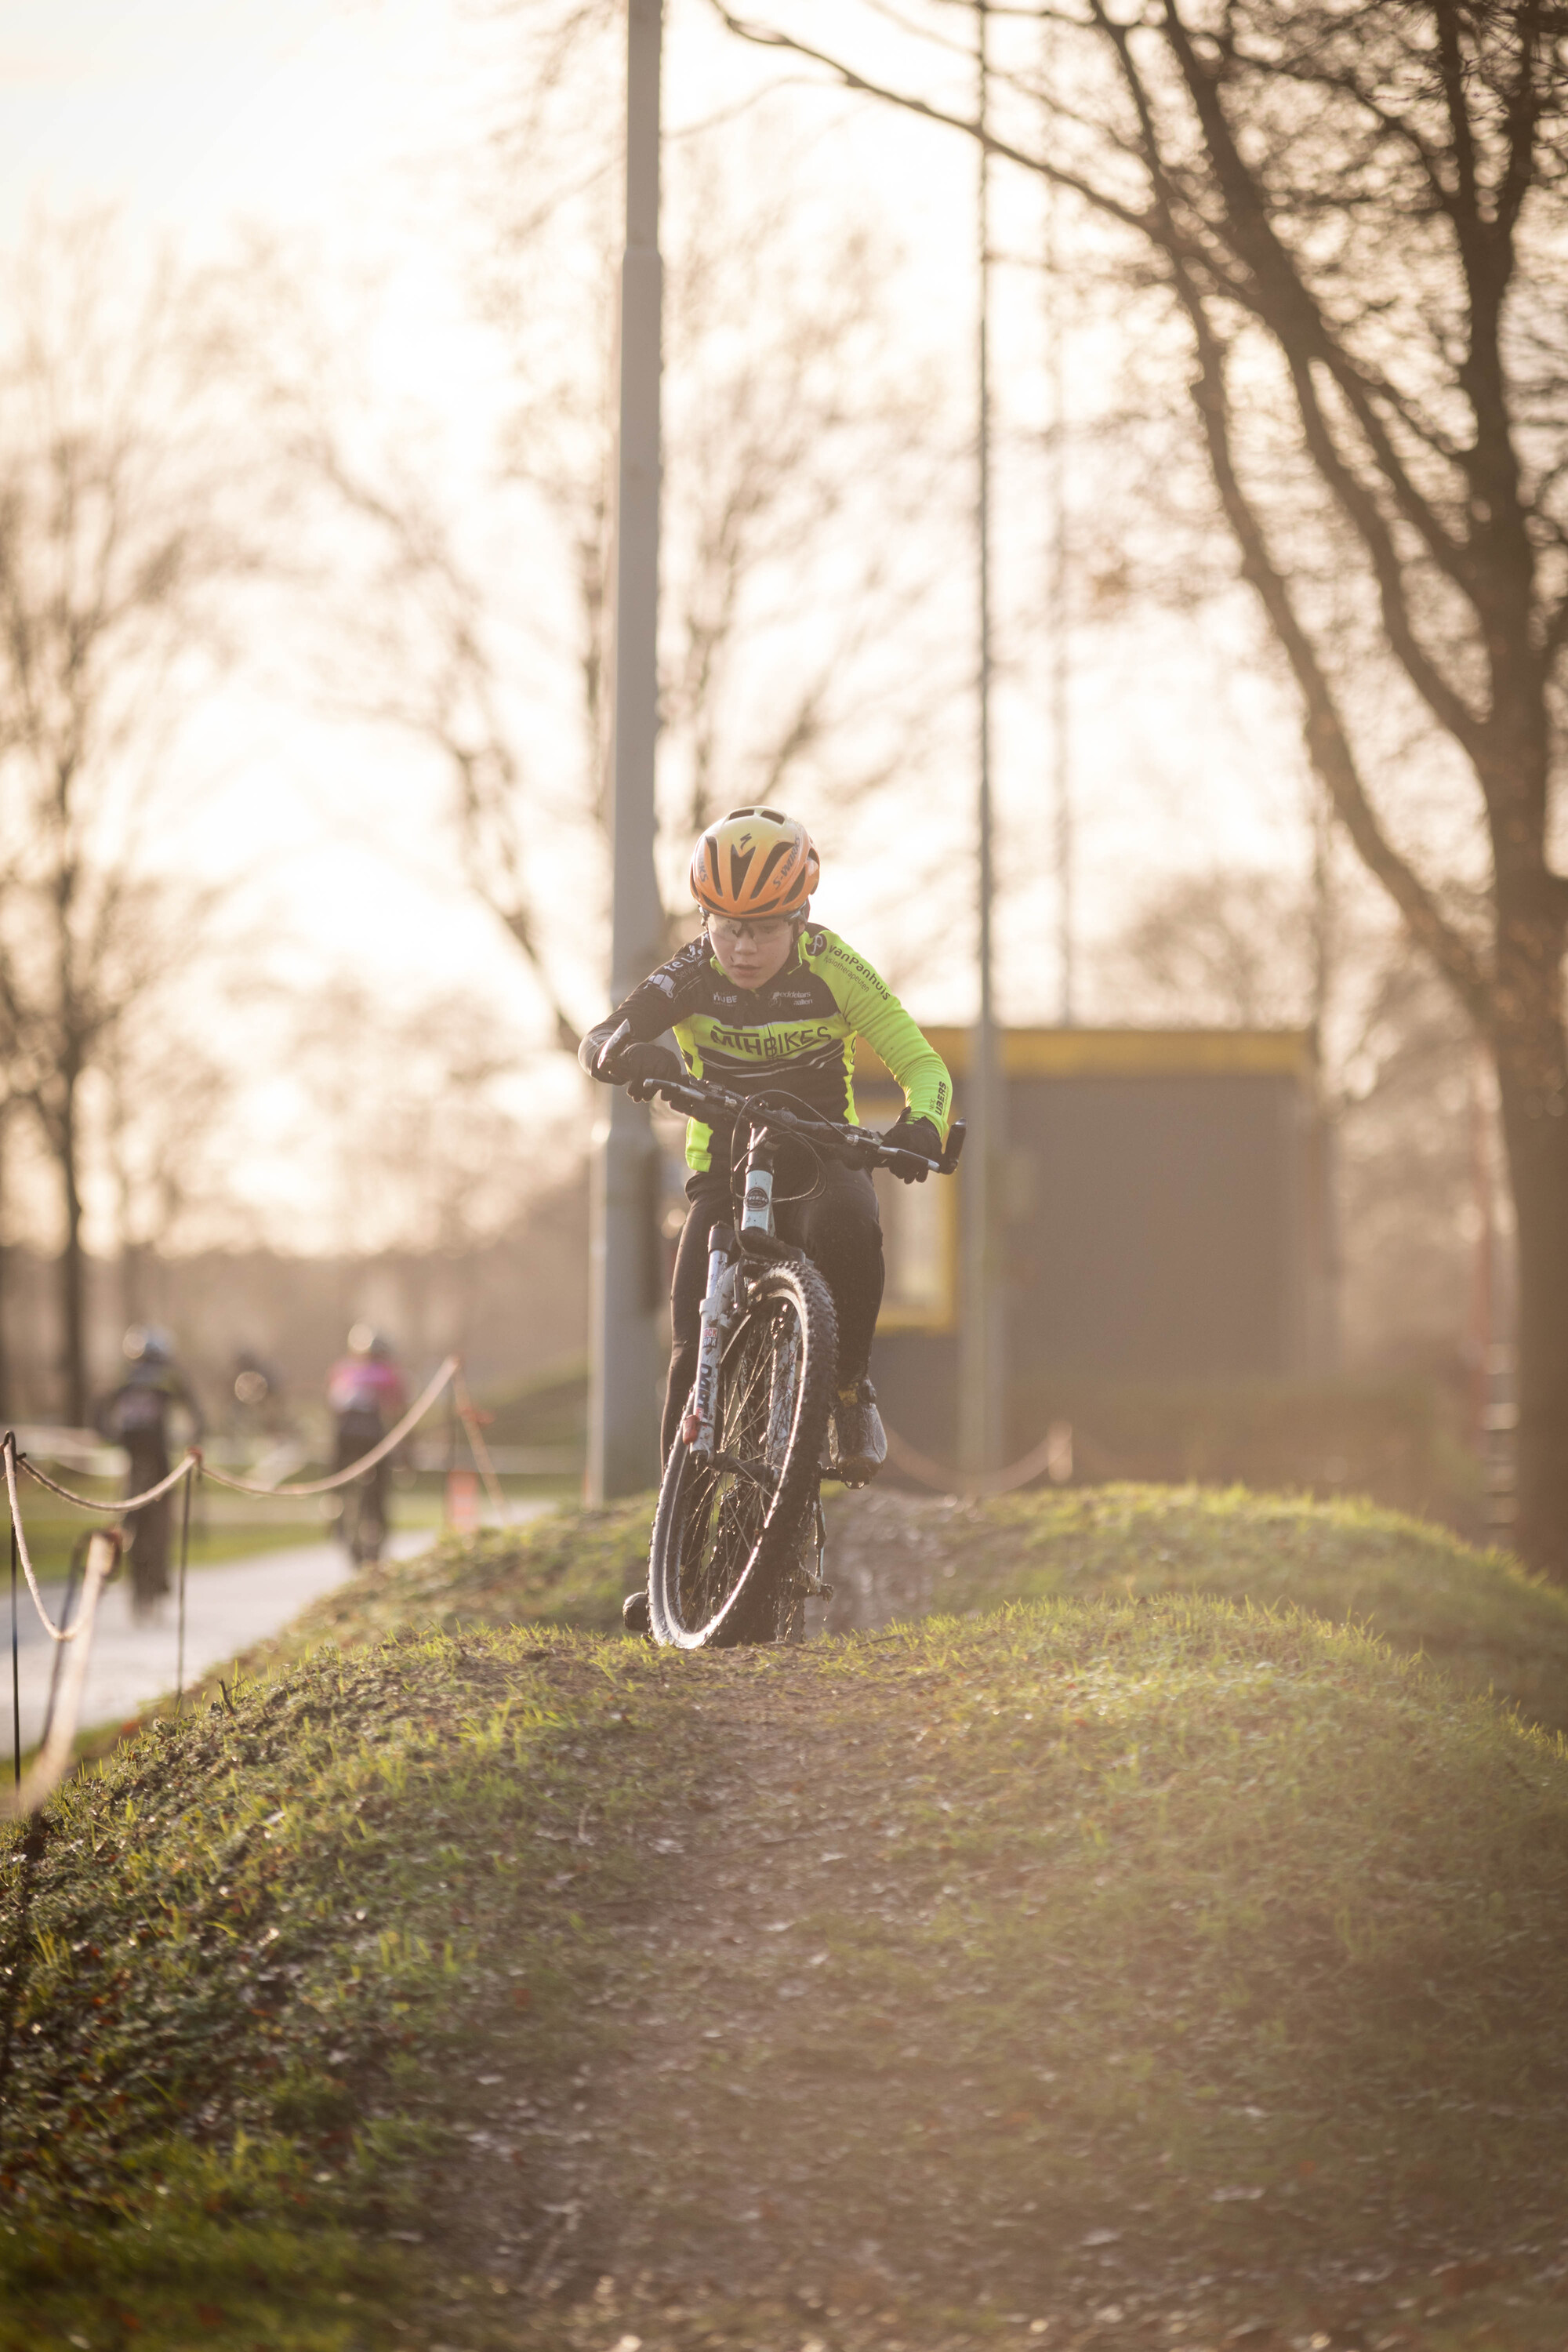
[{"x": 751, "y": 951}]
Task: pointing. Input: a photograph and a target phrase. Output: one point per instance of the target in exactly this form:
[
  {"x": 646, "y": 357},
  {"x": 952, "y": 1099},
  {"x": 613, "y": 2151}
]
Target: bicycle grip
[{"x": 954, "y": 1148}]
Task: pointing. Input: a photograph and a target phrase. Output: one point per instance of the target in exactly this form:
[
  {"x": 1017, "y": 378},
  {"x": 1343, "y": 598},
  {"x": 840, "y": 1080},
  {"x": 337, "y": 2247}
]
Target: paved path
[{"x": 226, "y": 1609}]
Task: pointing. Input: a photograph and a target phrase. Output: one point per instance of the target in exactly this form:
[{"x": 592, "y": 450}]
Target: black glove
[
  {"x": 913, "y": 1135},
  {"x": 634, "y": 1061}
]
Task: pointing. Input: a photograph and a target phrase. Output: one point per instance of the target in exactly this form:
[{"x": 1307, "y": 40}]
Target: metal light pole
[
  {"x": 623, "y": 1409},
  {"x": 1057, "y": 587},
  {"x": 981, "y": 1344}
]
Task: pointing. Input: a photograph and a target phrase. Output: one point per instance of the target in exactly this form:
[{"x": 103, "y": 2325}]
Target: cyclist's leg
[
  {"x": 841, "y": 1231},
  {"x": 378, "y": 1487},
  {"x": 149, "y": 1531},
  {"x": 709, "y": 1198},
  {"x": 343, "y": 1506}
]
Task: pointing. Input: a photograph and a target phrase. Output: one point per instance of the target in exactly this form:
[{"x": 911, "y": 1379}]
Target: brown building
[{"x": 1167, "y": 1223}]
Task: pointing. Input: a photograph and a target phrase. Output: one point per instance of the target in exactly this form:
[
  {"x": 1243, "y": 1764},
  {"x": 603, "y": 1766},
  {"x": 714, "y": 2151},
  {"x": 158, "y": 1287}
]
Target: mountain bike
[{"x": 738, "y": 1535}]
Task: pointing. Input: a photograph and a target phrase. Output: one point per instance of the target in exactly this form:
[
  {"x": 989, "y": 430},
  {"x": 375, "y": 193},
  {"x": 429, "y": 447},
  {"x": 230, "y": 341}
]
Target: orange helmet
[{"x": 754, "y": 862}]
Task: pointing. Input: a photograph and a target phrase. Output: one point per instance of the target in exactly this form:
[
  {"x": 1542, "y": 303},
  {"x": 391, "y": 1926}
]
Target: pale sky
[{"x": 350, "y": 129}]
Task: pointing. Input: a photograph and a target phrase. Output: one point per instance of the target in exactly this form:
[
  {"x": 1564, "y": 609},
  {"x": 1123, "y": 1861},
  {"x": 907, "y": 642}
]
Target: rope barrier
[
  {"x": 183, "y": 1469},
  {"x": 18, "y": 1537},
  {"x": 79, "y": 1562},
  {"x": 53, "y": 1759},
  {"x": 476, "y": 1446},
  {"x": 416, "y": 1412},
  {"x": 929, "y": 1473},
  {"x": 52, "y": 1762}
]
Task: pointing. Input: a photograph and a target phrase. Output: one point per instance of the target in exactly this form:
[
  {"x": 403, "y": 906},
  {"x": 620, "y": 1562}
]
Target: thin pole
[
  {"x": 185, "y": 1561},
  {"x": 1483, "y": 1263},
  {"x": 1057, "y": 581},
  {"x": 1323, "y": 1351},
  {"x": 15, "y": 1667},
  {"x": 981, "y": 1395},
  {"x": 622, "y": 1408}
]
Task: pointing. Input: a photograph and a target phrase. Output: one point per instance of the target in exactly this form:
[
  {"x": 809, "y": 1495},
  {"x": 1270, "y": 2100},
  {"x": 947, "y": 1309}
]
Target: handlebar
[{"x": 856, "y": 1145}]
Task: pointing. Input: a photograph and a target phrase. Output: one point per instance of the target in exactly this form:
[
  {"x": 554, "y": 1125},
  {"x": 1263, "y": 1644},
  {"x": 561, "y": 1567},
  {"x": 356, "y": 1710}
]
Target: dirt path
[
  {"x": 1112, "y": 1976},
  {"x": 805, "y": 2110},
  {"x": 989, "y": 1983}
]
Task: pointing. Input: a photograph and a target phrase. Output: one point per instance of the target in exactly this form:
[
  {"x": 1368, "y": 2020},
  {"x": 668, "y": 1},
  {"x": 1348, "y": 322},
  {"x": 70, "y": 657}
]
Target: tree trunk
[
  {"x": 73, "y": 1298},
  {"x": 1535, "y": 1125}
]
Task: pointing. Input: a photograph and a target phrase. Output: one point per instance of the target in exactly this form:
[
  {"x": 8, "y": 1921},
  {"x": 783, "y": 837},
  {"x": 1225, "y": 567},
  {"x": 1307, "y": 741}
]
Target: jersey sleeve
[
  {"x": 874, "y": 1012},
  {"x": 654, "y": 1005}
]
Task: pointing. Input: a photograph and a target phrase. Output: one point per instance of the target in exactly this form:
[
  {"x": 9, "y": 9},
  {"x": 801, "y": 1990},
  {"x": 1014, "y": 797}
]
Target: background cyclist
[
  {"x": 764, "y": 998},
  {"x": 366, "y": 1397},
  {"x": 139, "y": 1415}
]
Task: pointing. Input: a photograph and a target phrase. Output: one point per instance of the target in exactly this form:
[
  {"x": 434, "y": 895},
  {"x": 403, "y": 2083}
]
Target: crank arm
[{"x": 757, "y": 1472}]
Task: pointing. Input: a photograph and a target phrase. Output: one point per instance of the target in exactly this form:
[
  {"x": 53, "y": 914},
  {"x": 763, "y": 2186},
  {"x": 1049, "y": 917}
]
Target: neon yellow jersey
[{"x": 796, "y": 1035}]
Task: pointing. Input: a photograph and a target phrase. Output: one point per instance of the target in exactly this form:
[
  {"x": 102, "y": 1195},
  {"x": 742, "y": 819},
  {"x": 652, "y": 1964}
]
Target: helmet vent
[{"x": 779, "y": 849}]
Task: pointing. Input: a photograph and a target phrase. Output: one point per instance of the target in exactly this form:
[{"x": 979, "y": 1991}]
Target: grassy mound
[
  {"x": 570, "y": 1568},
  {"x": 1164, "y": 1971},
  {"x": 248, "y": 1969},
  {"x": 1477, "y": 1615}
]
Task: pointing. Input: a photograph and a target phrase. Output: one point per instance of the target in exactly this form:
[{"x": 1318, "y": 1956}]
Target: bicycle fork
[
  {"x": 720, "y": 1305},
  {"x": 698, "y": 1428}
]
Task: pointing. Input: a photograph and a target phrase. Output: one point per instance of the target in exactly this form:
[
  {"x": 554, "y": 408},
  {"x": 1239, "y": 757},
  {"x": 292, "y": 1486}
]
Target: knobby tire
[{"x": 723, "y": 1560}]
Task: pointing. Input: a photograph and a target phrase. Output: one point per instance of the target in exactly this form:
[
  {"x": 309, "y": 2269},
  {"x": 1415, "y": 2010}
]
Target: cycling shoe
[
  {"x": 634, "y": 1613},
  {"x": 857, "y": 1441}
]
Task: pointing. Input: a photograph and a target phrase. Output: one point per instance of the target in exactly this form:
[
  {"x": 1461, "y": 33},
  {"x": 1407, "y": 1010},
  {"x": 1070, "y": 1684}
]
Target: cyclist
[
  {"x": 766, "y": 997},
  {"x": 365, "y": 1394},
  {"x": 137, "y": 1416}
]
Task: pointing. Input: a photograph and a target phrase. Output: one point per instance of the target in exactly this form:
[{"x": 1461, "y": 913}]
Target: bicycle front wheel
[{"x": 724, "y": 1561}]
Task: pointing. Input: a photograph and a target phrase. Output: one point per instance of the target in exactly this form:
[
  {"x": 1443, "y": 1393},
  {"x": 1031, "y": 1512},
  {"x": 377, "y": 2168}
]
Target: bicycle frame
[{"x": 721, "y": 1302}]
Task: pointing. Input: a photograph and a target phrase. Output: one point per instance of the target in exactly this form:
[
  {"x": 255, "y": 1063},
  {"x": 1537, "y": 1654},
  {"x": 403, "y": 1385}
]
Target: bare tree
[
  {"x": 1230, "y": 946},
  {"x": 1354, "y": 215},
  {"x": 164, "y": 1098},
  {"x": 796, "y": 656},
  {"x": 117, "y": 526},
  {"x": 418, "y": 1110}
]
